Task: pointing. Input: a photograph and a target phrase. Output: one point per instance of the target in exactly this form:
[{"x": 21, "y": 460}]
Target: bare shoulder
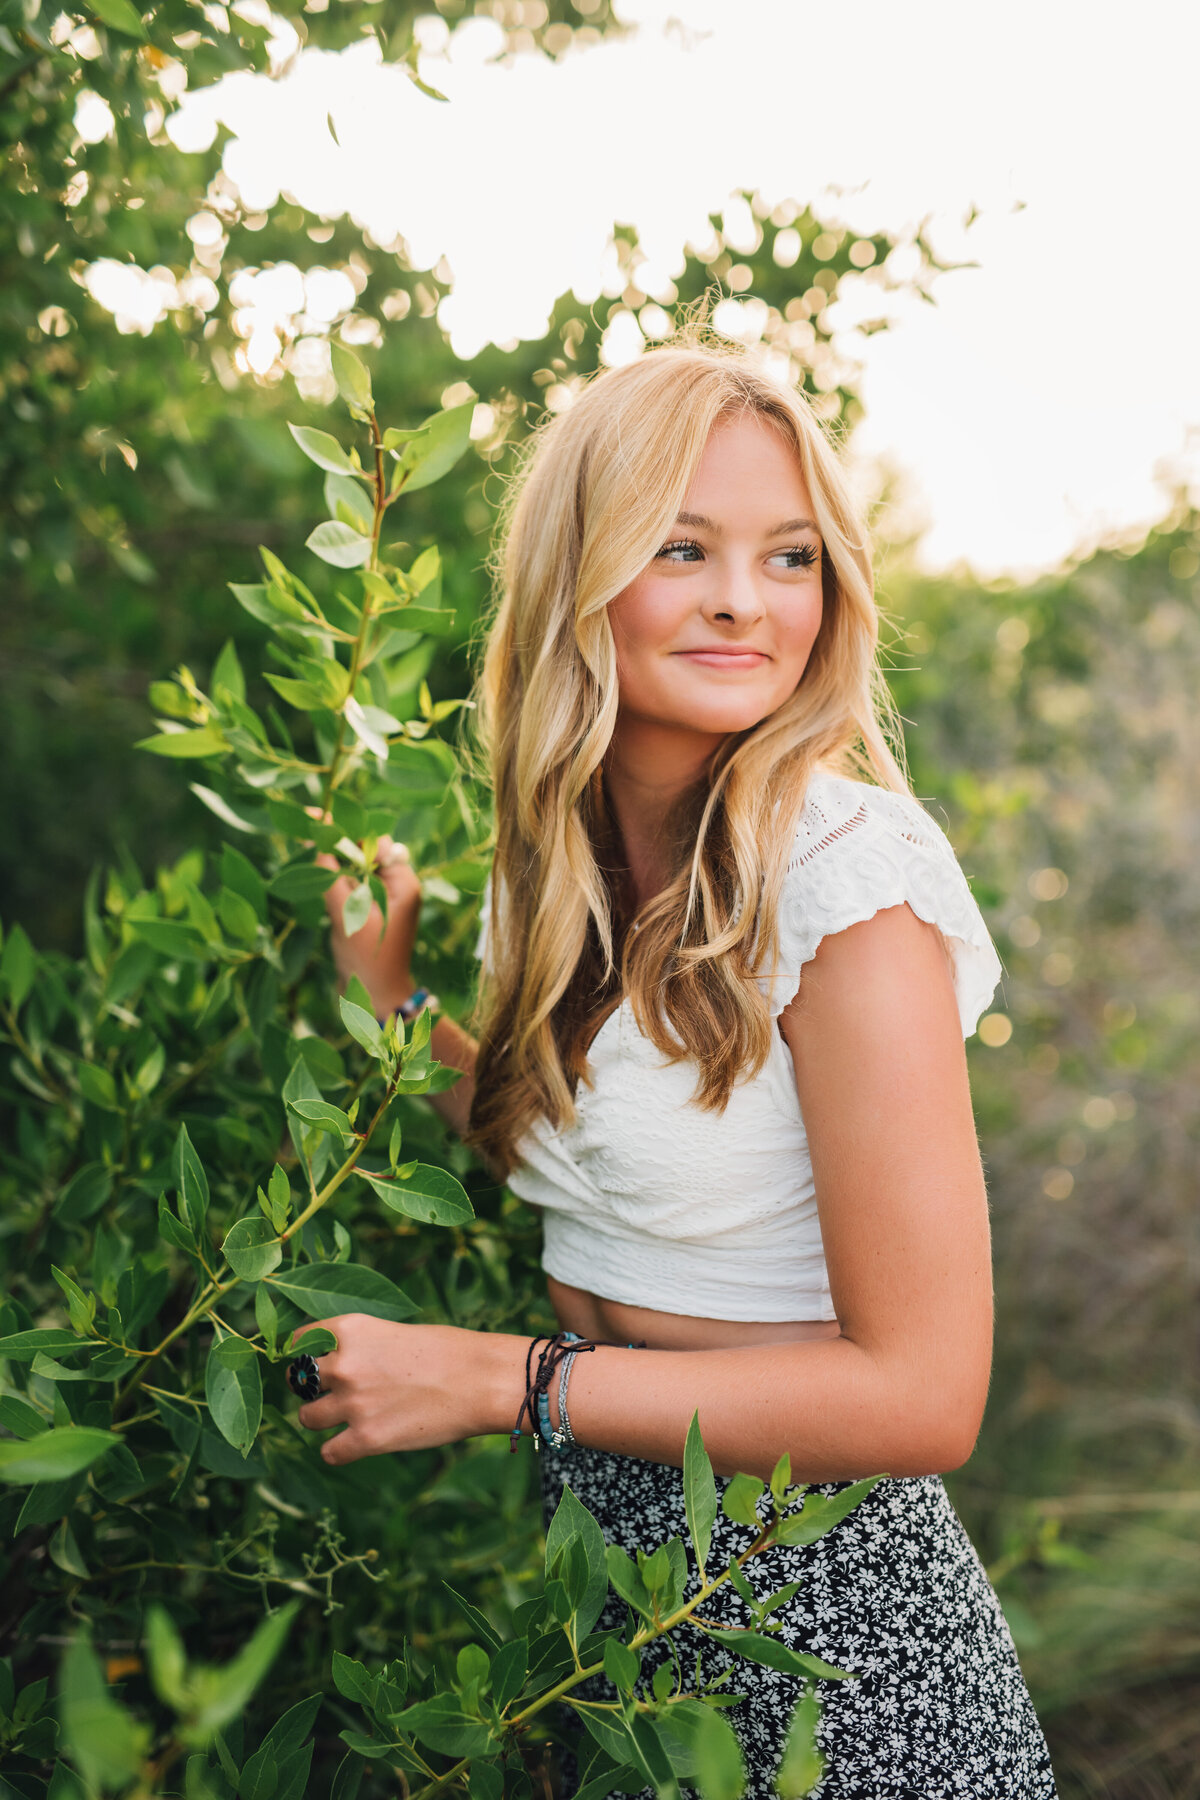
[{"x": 889, "y": 975}]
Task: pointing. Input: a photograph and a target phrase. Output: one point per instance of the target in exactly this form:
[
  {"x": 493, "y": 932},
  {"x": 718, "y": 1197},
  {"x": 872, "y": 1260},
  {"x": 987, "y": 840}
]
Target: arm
[
  {"x": 381, "y": 955},
  {"x": 882, "y": 1080},
  {"x": 881, "y": 1076}
]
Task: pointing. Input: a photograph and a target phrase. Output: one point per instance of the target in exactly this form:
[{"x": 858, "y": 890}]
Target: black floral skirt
[{"x": 896, "y": 1593}]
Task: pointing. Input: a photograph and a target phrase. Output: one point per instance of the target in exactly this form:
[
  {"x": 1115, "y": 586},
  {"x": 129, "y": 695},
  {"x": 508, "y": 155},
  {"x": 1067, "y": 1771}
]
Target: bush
[{"x": 210, "y": 1151}]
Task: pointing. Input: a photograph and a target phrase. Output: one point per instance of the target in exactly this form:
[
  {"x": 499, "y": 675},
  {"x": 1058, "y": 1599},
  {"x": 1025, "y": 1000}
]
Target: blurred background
[{"x": 972, "y": 236}]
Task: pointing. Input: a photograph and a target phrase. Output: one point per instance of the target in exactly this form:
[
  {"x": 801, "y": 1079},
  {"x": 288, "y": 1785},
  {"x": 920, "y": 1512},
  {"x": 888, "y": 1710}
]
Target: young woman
[{"x": 720, "y": 1043}]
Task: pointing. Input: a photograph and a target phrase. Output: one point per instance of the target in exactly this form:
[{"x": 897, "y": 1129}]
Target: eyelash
[{"x": 807, "y": 553}]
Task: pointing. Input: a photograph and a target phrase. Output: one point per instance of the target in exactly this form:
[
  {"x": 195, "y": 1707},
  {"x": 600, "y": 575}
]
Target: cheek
[
  {"x": 645, "y": 621},
  {"x": 798, "y": 630}
]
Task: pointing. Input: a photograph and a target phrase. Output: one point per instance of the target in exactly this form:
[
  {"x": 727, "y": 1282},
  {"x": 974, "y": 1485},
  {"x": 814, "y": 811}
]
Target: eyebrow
[{"x": 706, "y": 524}]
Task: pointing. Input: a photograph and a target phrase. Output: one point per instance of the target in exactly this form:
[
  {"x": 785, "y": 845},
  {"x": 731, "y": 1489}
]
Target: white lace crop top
[{"x": 649, "y": 1200}]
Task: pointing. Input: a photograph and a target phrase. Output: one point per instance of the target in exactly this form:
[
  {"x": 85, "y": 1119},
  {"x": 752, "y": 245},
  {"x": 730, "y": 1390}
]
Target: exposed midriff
[{"x": 609, "y": 1321}]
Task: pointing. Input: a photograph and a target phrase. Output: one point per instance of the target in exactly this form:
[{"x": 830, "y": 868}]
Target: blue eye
[
  {"x": 680, "y": 546},
  {"x": 800, "y": 556}
]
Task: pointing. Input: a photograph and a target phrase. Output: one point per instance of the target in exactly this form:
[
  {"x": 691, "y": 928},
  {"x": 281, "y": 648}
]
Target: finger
[
  {"x": 347, "y": 1447},
  {"x": 320, "y": 1415}
]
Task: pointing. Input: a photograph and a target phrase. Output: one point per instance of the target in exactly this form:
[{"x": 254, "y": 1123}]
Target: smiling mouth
[{"x": 720, "y": 658}]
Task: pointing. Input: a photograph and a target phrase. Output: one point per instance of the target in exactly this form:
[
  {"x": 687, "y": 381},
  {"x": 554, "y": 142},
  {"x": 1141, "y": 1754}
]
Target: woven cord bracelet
[{"x": 560, "y": 1352}]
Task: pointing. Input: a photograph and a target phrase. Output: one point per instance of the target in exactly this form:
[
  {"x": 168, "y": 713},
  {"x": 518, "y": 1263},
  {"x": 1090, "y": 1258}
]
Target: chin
[{"x": 727, "y": 719}]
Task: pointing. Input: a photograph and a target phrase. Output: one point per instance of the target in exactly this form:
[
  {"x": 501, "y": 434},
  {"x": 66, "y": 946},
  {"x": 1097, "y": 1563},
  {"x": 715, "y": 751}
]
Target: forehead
[{"x": 748, "y": 464}]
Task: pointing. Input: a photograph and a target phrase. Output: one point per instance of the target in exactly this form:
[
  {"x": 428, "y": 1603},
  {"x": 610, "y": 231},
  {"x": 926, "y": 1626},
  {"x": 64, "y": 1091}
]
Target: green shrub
[{"x": 210, "y": 1149}]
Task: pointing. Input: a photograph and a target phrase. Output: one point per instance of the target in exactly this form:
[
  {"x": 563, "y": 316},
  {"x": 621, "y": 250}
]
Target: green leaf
[
  {"x": 363, "y": 1028},
  {"x": 227, "y": 671},
  {"x": 353, "y": 1680},
  {"x": 327, "y": 1118},
  {"x": 442, "y": 1725},
  {"x": 81, "y": 1307},
  {"x": 233, "y": 1389},
  {"x": 339, "y": 544},
  {"x": 252, "y": 1248},
  {"x": 167, "y": 1658},
  {"x": 321, "y": 448},
  {"x": 314, "y": 1340},
  {"x": 438, "y": 623},
  {"x": 104, "y": 1741},
  {"x": 17, "y": 967},
  {"x": 623, "y": 1576},
  {"x": 573, "y": 1520},
  {"x": 54, "y": 1455},
  {"x": 479, "y": 1625},
  {"x": 97, "y": 1086},
  {"x": 740, "y": 1499},
  {"x": 206, "y": 740},
  {"x": 738, "y": 1580},
  {"x": 121, "y": 16},
  {"x": 237, "y": 819},
  {"x": 279, "y": 1193},
  {"x": 305, "y": 696},
  {"x": 347, "y": 1777},
  {"x": 430, "y": 1194},
  {"x": 704, "y": 1751},
  {"x": 191, "y": 1183},
  {"x": 803, "y": 1764},
  {"x": 171, "y": 940},
  {"x": 821, "y": 1512},
  {"x": 393, "y": 437},
  {"x": 23, "y": 1346},
  {"x": 237, "y": 916},
  {"x": 228, "y": 1689},
  {"x": 322, "y": 1290},
  {"x": 621, "y": 1665},
  {"x": 302, "y": 881},
  {"x": 781, "y": 1476},
  {"x": 348, "y": 500},
  {"x": 354, "y": 383},
  {"x": 772, "y": 1654},
  {"x": 266, "y": 1317},
  {"x": 267, "y": 602},
  {"x": 357, "y": 909},
  {"x": 472, "y": 1664},
  {"x": 239, "y": 874},
  {"x": 65, "y": 1552},
  {"x": 699, "y": 1493},
  {"x": 486, "y": 1782},
  {"x": 613, "y": 1736},
  {"x": 509, "y": 1665},
  {"x": 443, "y": 439}
]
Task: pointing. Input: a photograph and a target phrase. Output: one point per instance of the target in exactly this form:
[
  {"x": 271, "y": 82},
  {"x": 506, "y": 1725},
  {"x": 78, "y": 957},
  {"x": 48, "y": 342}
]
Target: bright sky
[{"x": 1041, "y": 403}]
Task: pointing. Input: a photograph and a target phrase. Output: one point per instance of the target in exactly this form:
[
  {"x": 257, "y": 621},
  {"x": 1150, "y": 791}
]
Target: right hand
[{"x": 379, "y": 954}]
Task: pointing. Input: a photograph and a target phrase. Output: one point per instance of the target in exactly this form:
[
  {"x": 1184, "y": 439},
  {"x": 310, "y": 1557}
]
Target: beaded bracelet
[
  {"x": 411, "y": 1008},
  {"x": 560, "y": 1352}
]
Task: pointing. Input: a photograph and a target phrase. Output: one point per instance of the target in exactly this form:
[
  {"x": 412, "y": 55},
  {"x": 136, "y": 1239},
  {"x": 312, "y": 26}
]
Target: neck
[{"x": 646, "y": 769}]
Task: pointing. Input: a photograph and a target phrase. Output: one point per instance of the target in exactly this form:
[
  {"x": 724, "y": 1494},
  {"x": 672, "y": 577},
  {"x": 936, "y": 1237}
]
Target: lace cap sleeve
[{"x": 858, "y": 850}]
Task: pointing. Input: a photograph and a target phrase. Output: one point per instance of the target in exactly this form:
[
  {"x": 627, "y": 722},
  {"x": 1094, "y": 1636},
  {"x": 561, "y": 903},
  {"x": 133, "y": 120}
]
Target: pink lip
[{"x": 733, "y": 656}]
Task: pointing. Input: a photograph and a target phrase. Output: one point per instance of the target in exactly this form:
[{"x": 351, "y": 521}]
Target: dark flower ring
[{"x": 304, "y": 1377}]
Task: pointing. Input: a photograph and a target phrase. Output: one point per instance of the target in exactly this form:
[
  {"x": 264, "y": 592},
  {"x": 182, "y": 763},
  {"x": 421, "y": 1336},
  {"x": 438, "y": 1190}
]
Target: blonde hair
[{"x": 594, "y": 502}]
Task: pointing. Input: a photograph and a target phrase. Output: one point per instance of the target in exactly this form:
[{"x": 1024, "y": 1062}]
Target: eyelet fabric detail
[{"x": 651, "y": 1201}]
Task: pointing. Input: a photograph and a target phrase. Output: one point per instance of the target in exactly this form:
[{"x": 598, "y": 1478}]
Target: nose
[{"x": 733, "y": 597}]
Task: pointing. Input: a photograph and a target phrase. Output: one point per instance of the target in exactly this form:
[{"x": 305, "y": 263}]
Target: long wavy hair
[{"x": 593, "y": 502}]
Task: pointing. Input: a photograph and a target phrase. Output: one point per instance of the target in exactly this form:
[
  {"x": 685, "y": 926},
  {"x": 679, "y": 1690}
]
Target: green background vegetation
[{"x": 1052, "y": 727}]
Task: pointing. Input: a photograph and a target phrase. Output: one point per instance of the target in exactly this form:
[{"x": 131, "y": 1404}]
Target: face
[{"x": 715, "y": 634}]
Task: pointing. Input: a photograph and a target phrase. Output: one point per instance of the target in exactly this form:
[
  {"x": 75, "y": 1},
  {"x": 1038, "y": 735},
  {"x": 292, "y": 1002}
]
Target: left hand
[{"x": 405, "y": 1387}]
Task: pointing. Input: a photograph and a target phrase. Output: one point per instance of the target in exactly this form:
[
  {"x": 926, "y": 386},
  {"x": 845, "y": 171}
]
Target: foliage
[
  {"x": 202, "y": 1149},
  {"x": 1056, "y": 721},
  {"x": 134, "y": 468}
]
